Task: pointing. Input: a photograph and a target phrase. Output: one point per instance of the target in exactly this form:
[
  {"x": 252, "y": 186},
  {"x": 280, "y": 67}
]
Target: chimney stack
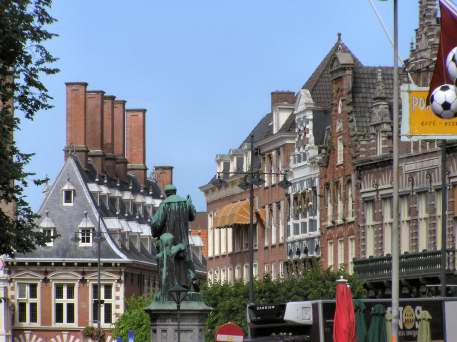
[
  {"x": 94, "y": 128},
  {"x": 163, "y": 175},
  {"x": 119, "y": 138},
  {"x": 108, "y": 134},
  {"x": 281, "y": 96},
  {"x": 76, "y": 121},
  {"x": 136, "y": 143}
]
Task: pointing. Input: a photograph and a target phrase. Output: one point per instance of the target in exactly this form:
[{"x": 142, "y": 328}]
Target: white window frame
[
  {"x": 330, "y": 255},
  {"x": 27, "y": 300},
  {"x": 438, "y": 223},
  {"x": 422, "y": 226},
  {"x": 369, "y": 229},
  {"x": 339, "y": 197},
  {"x": 71, "y": 203},
  {"x": 341, "y": 248},
  {"x": 350, "y": 202},
  {"x": 329, "y": 205},
  {"x": 340, "y": 150},
  {"x": 65, "y": 301},
  {"x": 387, "y": 224},
  {"x": 238, "y": 273},
  {"x": 91, "y": 236},
  {"x": 51, "y": 235},
  {"x": 93, "y": 319},
  {"x": 351, "y": 253},
  {"x": 404, "y": 225}
]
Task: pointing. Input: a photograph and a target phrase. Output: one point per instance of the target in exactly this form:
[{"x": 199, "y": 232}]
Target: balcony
[{"x": 414, "y": 265}]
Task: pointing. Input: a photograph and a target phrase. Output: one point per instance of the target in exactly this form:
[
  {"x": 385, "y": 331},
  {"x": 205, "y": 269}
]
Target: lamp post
[
  {"x": 252, "y": 178},
  {"x": 178, "y": 294}
]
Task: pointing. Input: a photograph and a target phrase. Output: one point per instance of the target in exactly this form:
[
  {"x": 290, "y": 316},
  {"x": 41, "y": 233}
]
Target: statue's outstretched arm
[{"x": 158, "y": 222}]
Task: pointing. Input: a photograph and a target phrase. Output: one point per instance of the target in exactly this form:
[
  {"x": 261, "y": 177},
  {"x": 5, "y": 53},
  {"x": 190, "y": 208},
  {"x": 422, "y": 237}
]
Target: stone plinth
[{"x": 164, "y": 324}]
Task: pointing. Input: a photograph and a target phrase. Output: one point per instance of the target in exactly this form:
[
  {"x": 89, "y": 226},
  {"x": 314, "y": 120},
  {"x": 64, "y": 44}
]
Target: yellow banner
[{"x": 422, "y": 121}]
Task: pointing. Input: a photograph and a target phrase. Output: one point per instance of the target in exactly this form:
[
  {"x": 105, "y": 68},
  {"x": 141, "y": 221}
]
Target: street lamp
[
  {"x": 178, "y": 294},
  {"x": 251, "y": 178}
]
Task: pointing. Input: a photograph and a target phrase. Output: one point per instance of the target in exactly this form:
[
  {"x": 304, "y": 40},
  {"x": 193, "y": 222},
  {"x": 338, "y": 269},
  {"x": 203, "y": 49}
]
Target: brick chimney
[
  {"x": 108, "y": 134},
  {"x": 163, "y": 175},
  {"x": 136, "y": 143},
  {"x": 119, "y": 138},
  {"x": 94, "y": 128},
  {"x": 280, "y": 96},
  {"x": 76, "y": 121}
]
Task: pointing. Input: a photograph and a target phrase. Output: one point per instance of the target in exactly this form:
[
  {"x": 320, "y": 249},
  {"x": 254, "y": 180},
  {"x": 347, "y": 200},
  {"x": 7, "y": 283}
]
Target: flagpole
[{"x": 395, "y": 231}]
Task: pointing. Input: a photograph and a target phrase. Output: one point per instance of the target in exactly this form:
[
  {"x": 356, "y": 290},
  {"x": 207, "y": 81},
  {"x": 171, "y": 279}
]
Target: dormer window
[
  {"x": 48, "y": 228},
  {"x": 49, "y": 234},
  {"x": 85, "y": 237},
  {"x": 68, "y": 194},
  {"x": 86, "y": 228}
]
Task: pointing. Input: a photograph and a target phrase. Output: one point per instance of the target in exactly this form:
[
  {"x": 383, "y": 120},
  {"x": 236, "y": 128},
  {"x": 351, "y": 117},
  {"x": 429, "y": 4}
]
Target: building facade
[
  {"x": 420, "y": 201},
  {"x": 228, "y": 205},
  {"x": 99, "y": 206}
]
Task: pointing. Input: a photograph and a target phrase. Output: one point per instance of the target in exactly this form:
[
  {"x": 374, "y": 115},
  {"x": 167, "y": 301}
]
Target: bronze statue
[{"x": 171, "y": 225}]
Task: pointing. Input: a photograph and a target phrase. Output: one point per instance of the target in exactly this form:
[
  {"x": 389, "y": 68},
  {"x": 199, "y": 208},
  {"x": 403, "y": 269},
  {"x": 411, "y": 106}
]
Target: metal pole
[
  {"x": 99, "y": 323},
  {"x": 178, "y": 314},
  {"x": 395, "y": 169},
  {"x": 443, "y": 219},
  {"x": 251, "y": 224}
]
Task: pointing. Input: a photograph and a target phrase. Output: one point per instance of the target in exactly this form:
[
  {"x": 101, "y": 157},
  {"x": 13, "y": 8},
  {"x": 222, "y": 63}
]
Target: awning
[{"x": 236, "y": 214}]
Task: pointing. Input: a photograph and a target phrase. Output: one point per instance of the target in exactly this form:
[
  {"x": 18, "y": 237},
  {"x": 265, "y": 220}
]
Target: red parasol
[{"x": 344, "y": 321}]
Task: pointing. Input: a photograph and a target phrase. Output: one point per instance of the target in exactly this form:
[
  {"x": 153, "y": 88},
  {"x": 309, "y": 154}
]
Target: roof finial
[
  {"x": 380, "y": 92},
  {"x": 339, "y": 37}
]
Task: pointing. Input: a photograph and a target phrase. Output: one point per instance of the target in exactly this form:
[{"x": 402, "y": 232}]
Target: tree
[
  {"x": 136, "y": 319},
  {"x": 23, "y": 61},
  {"x": 229, "y": 300}
]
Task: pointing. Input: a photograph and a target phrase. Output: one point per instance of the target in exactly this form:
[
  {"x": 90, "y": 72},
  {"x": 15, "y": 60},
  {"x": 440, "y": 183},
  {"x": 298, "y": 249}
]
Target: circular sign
[
  {"x": 409, "y": 318},
  {"x": 229, "y": 332}
]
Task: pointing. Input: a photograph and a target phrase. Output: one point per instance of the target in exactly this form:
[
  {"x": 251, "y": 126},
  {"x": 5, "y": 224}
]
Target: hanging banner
[{"x": 418, "y": 121}]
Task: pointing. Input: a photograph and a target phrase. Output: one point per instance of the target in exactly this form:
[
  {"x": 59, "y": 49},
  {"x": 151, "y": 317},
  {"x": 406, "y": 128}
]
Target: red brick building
[
  {"x": 103, "y": 185},
  {"x": 228, "y": 206}
]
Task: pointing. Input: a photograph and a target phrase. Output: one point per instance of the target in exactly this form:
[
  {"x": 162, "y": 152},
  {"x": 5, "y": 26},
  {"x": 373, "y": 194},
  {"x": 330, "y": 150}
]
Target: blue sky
[{"x": 203, "y": 69}]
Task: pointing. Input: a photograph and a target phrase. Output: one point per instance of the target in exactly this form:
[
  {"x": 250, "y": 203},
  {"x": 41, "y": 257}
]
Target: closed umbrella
[
  {"x": 388, "y": 318},
  {"x": 424, "y": 334},
  {"x": 343, "y": 322},
  {"x": 377, "y": 329},
  {"x": 360, "y": 321}
]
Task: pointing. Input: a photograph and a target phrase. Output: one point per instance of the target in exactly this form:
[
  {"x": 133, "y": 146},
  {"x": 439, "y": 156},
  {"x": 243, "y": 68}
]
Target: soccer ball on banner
[
  {"x": 451, "y": 64},
  {"x": 444, "y": 101}
]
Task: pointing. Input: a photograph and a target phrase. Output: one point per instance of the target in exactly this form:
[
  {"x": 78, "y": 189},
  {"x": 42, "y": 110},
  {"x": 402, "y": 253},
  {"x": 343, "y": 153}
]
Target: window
[
  {"x": 404, "y": 224},
  {"x": 387, "y": 224},
  {"x": 330, "y": 254},
  {"x": 223, "y": 241},
  {"x": 350, "y": 202},
  {"x": 281, "y": 208},
  {"x": 281, "y": 269},
  {"x": 351, "y": 254},
  {"x": 255, "y": 270},
  {"x": 210, "y": 276},
  {"x": 273, "y": 271},
  {"x": 423, "y": 224},
  {"x": 64, "y": 303},
  {"x": 49, "y": 233},
  {"x": 266, "y": 268},
  {"x": 106, "y": 303},
  {"x": 341, "y": 253},
  {"x": 369, "y": 228},
  {"x": 210, "y": 236},
  {"x": 340, "y": 151},
  {"x": 229, "y": 240},
  {"x": 328, "y": 191},
  {"x": 438, "y": 206},
  {"x": 245, "y": 239},
  {"x": 230, "y": 275},
  {"x": 27, "y": 303},
  {"x": 85, "y": 237},
  {"x": 217, "y": 241},
  {"x": 238, "y": 272},
  {"x": 274, "y": 223},
  {"x": 223, "y": 275},
  {"x": 340, "y": 202},
  {"x": 246, "y": 273},
  {"x": 68, "y": 197},
  {"x": 268, "y": 220}
]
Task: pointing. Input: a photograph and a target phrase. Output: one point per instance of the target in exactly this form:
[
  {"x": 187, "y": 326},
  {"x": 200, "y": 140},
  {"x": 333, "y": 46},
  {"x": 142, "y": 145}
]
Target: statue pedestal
[{"x": 164, "y": 325}]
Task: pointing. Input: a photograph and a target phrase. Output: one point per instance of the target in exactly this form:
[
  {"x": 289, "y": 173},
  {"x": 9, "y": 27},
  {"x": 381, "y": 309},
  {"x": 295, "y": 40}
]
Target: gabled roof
[{"x": 319, "y": 83}]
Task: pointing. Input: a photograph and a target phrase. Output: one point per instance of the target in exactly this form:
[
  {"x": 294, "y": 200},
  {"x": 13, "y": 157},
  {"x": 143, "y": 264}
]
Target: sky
[{"x": 203, "y": 69}]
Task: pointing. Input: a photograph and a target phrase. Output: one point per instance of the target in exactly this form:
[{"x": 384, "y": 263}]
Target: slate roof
[
  {"x": 321, "y": 120},
  {"x": 363, "y": 92},
  {"x": 319, "y": 83},
  {"x": 67, "y": 218}
]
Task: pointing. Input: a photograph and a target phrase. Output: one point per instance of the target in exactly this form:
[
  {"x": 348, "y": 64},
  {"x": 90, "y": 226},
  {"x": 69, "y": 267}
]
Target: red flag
[
  {"x": 344, "y": 320},
  {"x": 448, "y": 41}
]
